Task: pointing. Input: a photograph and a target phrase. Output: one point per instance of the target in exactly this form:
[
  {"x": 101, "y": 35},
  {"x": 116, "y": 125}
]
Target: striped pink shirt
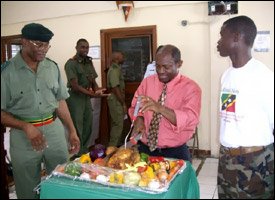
[{"x": 184, "y": 97}]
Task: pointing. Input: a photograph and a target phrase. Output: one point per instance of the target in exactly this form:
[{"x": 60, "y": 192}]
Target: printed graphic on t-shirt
[{"x": 228, "y": 102}]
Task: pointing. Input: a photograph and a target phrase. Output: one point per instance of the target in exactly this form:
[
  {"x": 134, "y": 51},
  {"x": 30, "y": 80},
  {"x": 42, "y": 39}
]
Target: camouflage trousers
[{"x": 246, "y": 176}]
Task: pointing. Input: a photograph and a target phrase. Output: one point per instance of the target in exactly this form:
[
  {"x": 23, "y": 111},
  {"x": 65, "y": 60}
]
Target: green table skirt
[{"x": 185, "y": 185}]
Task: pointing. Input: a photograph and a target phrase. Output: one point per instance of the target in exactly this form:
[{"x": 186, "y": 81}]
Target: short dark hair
[
  {"x": 81, "y": 40},
  {"x": 176, "y": 54},
  {"x": 243, "y": 25},
  {"x": 115, "y": 54},
  {"x": 173, "y": 50},
  {"x": 118, "y": 52},
  {"x": 159, "y": 47}
]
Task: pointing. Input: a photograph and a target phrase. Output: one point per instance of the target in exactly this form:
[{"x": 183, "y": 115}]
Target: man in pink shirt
[{"x": 180, "y": 112}]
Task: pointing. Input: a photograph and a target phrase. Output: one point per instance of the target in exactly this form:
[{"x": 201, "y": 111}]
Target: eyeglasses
[{"x": 40, "y": 45}]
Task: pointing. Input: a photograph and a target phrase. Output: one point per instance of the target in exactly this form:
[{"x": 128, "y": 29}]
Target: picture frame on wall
[
  {"x": 262, "y": 41},
  {"x": 94, "y": 52}
]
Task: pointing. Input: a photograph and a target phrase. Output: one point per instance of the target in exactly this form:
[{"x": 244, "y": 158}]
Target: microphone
[{"x": 137, "y": 108}]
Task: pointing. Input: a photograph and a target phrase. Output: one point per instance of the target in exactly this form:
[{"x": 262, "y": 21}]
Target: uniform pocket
[{"x": 21, "y": 96}]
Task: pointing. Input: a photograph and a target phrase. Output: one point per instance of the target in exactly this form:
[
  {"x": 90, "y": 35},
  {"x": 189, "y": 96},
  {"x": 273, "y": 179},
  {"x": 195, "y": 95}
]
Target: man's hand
[
  {"x": 139, "y": 126},
  {"x": 74, "y": 143},
  {"x": 100, "y": 91},
  {"x": 148, "y": 104},
  {"x": 38, "y": 140}
]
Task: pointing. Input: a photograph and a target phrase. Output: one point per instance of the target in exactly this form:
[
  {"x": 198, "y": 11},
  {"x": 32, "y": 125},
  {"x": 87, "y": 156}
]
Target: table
[{"x": 185, "y": 185}]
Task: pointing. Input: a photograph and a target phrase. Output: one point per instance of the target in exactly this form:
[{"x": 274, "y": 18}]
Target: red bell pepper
[{"x": 153, "y": 159}]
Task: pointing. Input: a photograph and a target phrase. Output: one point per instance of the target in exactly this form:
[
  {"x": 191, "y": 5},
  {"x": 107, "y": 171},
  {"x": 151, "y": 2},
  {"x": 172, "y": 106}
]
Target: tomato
[
  {"x": 100, "y": 161},
  {"x": 180, "y": 162},
  {"x": 141, "y": 169}
]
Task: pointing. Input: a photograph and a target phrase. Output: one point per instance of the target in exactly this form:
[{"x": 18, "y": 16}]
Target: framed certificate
[
  {"x": 94, "y": 52},
  {"x": 262, "y": 41}
]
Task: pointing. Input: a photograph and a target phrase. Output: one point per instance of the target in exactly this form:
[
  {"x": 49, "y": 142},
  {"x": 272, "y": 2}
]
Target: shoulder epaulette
[
  {"x": 52, "y": 61},
  {"x": 73, "y": 58},
  {"x": 5, "y": 65}
]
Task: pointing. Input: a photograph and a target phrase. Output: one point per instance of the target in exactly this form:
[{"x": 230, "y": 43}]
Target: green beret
[{"x": 38, "y": 32}]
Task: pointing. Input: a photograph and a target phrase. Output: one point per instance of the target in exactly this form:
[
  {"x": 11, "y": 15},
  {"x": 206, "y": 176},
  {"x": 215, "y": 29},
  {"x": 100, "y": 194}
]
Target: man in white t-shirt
[
  {"x": 246, "y": 161},
  {"x": 151, "y": 67}
]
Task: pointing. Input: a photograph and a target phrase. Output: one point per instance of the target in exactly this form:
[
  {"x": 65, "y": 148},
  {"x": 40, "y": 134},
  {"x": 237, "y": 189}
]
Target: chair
[{"x": 195, "y": 142}]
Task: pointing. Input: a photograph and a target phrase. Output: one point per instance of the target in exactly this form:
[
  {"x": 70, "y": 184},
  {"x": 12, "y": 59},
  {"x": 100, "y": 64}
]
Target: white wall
[{"x": 197, "y": 41}]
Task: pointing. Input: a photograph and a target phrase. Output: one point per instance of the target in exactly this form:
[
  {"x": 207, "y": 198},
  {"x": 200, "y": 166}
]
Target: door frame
[
  {"x": 106, "y": 51},
  {"x": 105, "y": 41},
  {"x": 6, "y": 42},
  {"x": 6, "y": 54}
]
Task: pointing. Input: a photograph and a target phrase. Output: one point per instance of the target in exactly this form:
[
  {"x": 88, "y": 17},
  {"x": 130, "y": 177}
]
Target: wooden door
[
  {"x": 138, "y": 45},
  {"x": 10, "y": 45}
]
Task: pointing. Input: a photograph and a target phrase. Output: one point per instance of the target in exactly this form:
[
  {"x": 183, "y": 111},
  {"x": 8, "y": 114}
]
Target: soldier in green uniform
[
  {"x": 82, "y": 86},
  {"x": 116, "y": 101},
  {"x": 32, "y": 104}
]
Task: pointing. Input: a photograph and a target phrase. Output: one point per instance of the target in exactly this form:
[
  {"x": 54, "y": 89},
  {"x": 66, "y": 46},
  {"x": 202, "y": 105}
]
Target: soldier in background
[
  {"x": 116, "y": 102},
  {"x": 82, "y": 86}
]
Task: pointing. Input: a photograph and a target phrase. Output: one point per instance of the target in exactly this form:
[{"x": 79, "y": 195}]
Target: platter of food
[{"x": 123, "y": 168}]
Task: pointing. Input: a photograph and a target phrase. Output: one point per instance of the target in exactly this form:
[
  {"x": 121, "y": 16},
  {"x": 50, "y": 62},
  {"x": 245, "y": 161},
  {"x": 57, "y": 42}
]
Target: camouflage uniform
[{"x": 246, "y": 176}]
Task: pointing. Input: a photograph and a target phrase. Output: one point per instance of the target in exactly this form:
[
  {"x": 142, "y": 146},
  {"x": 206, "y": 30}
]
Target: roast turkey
[{"x": 123, "y": 156}]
